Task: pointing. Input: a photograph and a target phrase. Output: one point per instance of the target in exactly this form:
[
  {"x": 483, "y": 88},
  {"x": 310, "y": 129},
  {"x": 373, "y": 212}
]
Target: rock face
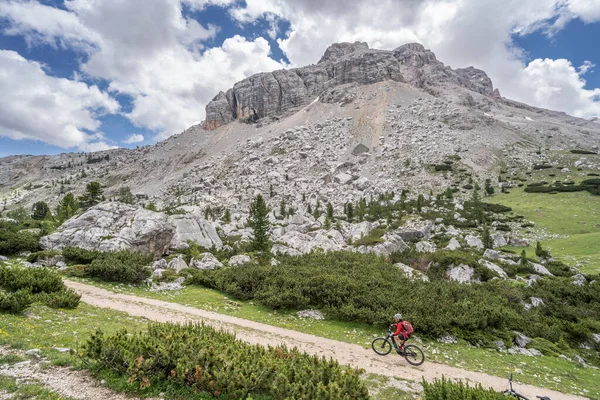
[
  {"x": 462, "y": 273},
  {"x": 206, "y": 261},
  {"x": 116, "y": 226},
  {"x": 274, "y": 93}
]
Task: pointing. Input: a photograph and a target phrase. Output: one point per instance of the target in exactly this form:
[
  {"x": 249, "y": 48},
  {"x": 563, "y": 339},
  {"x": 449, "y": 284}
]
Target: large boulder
[
  {"x": 425, "y": 247},
  {"x": 453, "y": 244},
  {"x": 499, "y": 240},
  {"x": 206, "y": 261},
  {"x": 411, "y": 272},
  {"x": 116, "y": 226},
  {"x": 177, "y": 264},
  {"x": 462, "y": 273},
  {"x": 473, "y": 241},
  {"x": 241, "y": 259},
  {"x": 279, "y": 249},
  {"x": 541, "y": 270},
  {"x": 493, "y": 267}
]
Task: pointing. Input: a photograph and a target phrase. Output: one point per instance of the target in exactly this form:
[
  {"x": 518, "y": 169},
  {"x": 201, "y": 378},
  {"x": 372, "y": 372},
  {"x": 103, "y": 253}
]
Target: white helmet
[{"x": 398, "y": 317}]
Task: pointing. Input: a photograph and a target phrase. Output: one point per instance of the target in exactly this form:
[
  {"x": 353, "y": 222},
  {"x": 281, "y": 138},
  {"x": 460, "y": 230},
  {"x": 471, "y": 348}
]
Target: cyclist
[{"x": 403, "y": 331}]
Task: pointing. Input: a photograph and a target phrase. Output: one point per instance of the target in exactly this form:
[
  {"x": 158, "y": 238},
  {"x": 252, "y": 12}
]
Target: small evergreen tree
[
  {"x": 125, "y": 195},
  {"x": 309, "y": 209},
  {"x": 361, "y": 210},
  {"x": 151, "y": 206},
  {"x": 330, "y": 212},
  {"x": 271, "y": 192},
  {"x": 420, "y": 201},
  {"x": 259, "y": 222},
  {"x": 523, "y": 260},
  {"x": 486, "y": 238},
  {"x": 303, "y": 197},
  {"x": 282, "y": 209},
  {"x": 349, "y": 212},
  {"x": 67, "y": 207},
  {"x": 93, "y": 194},
  {"x": 227, "y": 216},
  {"x": 327, "y": 225},
  {"x": 448, "y": 194},
  {"x": 540, "y": 251},
  {"x": 489, "y": 189},
  {"x": 40, "y": 211},
  {"x": 20, "y": 214}
]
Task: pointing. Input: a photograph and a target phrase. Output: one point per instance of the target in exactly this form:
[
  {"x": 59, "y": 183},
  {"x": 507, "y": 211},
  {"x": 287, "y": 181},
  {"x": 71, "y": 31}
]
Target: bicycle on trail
[
  {"x": 412, "y": 353},
  {"x": 510, "y": 392}
]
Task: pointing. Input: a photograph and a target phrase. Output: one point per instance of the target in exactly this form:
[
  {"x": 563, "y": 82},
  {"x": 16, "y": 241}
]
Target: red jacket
[{"x": 399, "y": 329}]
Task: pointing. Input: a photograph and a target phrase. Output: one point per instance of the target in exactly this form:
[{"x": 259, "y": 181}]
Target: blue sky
[{"x": 84, "y": 76}]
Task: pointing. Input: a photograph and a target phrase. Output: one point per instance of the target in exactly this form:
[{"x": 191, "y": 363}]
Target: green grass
[
  {"x": 537, "y": 371},
  {"x": 27, "y": 391},
  {"x": 575, "y": 215}
]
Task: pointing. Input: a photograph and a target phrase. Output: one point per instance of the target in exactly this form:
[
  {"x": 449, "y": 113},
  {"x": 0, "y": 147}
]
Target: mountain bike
[
  {"x": 383, "y": 346},
  {"x": 510, "y": 392}
]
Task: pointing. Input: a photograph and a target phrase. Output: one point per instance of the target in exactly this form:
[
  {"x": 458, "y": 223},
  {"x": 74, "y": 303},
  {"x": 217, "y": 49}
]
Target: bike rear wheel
[
  {"x": 381, "y": 346},
  {"x": 414, "y": 355}
]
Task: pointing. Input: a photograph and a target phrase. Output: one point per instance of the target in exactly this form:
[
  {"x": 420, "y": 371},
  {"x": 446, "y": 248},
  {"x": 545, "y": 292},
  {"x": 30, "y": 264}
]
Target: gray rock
[
  {"x": 499, "y": 240},
  {"x": 425, "y": 247},
  {"x": 452, "y": 231},
  {"x": 342, "y": 178},
  {"x": 580, "y": 360},
  {"x": 491, "y": 254},
  {"x": 160, "y": 264},
  {"x": 520, "y": 350},
  {"x": 521, "y": 340},
  {"x": 565, "y": 358},
  {"x": 499, "y": 344},
  {"x": 190, "y": 227},
  {"x": 453, "y": 244},
  {"x": 535, "y": 353},
  {"x": 158, "y": 272},
  {"x": 278, "y": 249},
  {"x": 241, "y": 259},
  {"x": 462, "y": 273},
  {"x": 33, "y": 352},
  {"x": 578, "y": 280},
  {"x": 310, "y": 314},
  {"x": 411, "y": 272},
  {"x": 274, "y": 262},
  {"x": 516, "y": 242},
  {"x": 536, "y": 302},
  {"x": 540, "y": 269},
  {"x": 473, "y": 241},
  {"x": 177, "y": 264},
  {"x": 596, "y": 337},
  {"x": 62, "y": 349},
  {"x": 448, "y": 339},
  {"x": 2, "y": 258},
  {"x": 207, "y": 261},
  {"x": 493, "y": 267}
]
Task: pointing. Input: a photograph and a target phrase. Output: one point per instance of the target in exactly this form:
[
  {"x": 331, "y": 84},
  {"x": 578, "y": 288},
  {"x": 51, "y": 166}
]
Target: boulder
[
  {"x": 207, "y": 261},
  {"x": 578, "y": 280},
  {"x": 462, "y": 273},
  {"x": 596, "y": 337},
  {"x": 453, "y": 244},
  {"x": 357, "y": 231},
  {"x": 516, "y": 242},
  {"x": 425, "y": 247},
  {"x": 580, "y": 360},
  {"x": 114, "y": 226},
  {"x": 392, "y": 243},
  {"x": 452, "y": 231},
  {"x": 342, "y": 178},
  {"x": 160, "y": 264},
  {"x": 177, "y": 264},
  {"x": 2, "y": 258},
  {"x": 521, "y": 340},
  {"x": 473, "y": 241},
  {"x": 536, "y": 302},
  {"x": 498, "y": 240},
  {"x": 493, "y": 267},
  {"x": 540, "y": 269},
  {"x": 310, "y": 314},
  {"x": 448, "y": 339},
  {"x": 411, "y": 272},
  {"x": 491, "y": 254},
  {"x": 535, "y": 353},
  {"x": 278, "y": 249},
  {"x": 240, "y": 259},
  {"x": 415, "y": 230}
]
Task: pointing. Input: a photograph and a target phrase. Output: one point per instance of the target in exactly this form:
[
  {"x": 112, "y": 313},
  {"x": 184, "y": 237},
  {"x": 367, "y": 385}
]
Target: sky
[{"x": 89, "y": 75}]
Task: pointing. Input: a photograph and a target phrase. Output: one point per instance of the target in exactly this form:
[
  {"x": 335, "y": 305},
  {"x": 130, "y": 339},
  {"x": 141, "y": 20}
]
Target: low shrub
[
  {"x": 214, "y": 362},
  {"x": 14, "y": 241},
  {"x": 42, "y": 255},
  {"x": 447, "y": 390},
  {"x": 579, "y": 151},
  {"x": 77, "y": 255},
  {"x": 372, "y": 238},
  {"x": 67, "y": 298},
  {"x": 541, "y": 166},
  {"x": 442, "y": 167},
  {"x": 121, "y": 266},
  {"x": 15, "y": 302}
]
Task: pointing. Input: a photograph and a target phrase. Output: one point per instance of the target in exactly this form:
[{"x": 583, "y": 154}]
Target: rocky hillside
[{"x": 359, "y": 123}]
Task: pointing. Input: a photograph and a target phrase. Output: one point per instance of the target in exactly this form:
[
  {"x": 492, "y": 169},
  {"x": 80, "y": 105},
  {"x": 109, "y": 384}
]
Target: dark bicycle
[
  {"x": 383, "y": 346},
  {"x": 511, "y": 392}
]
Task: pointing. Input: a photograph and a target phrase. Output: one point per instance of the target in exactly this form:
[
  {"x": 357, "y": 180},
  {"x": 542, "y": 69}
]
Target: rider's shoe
[{"x": 400, "y": 351}]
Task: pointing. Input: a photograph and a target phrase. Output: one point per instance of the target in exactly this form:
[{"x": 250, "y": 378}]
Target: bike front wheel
[
  {"x": 414, "y": 355},
  {"x": 381, "y": 346},
  {"x": 514, "y": 394}
]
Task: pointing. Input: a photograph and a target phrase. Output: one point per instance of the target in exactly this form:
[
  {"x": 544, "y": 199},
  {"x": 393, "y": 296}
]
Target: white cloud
[
  {"x": 58, "y": 111},
  {"x": 134, "y": 138}
]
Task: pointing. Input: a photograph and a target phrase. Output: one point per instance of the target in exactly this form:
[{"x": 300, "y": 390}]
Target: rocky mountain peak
[
  {"x": 339, "y": 50},
  {"x": 343, "y": 66}
]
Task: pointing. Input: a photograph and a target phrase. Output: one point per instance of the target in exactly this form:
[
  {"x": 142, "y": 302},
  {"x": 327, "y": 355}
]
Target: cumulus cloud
[
  {"x": 134, "y": 138},
  {"x": 58, "y": 111}
]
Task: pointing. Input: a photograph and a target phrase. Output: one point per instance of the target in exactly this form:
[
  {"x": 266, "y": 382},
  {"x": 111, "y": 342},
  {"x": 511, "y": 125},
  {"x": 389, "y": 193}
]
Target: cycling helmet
[{"x": 398, "y": 317}]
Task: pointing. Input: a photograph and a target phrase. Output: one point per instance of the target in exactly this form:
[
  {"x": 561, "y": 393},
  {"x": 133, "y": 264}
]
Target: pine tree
[
  {"x": 40, "y": 211},
  {"x": 486, "y": 238},
  {"x": 349, "y": 212},
  {"x": 327, "y": 225},
  {"x": 282, "y": 209},
  {"x": 151, "y": 206},
  {"x": 259, "y": 222},
  {"x": 227, "y": 216},
  {"x": 67, "y": 207},
  {"x": 420, "y": 201},
  {"x": 303, "y": 197},
  {"x": 93, "y": 194},
  {"x": 361, "y": 210},
  {"x": 330, "y": 211},
  {"x": 489, "y": 189},
  {"x": 523, "y": 260},
  {"x": 271, "y": 192},
  {"x": 309, "y": 209},
  {"x": 125, "y": 195}
]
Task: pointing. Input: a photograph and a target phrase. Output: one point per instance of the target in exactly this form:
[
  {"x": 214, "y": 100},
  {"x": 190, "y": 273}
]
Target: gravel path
[{"x": 258, "y": 333}]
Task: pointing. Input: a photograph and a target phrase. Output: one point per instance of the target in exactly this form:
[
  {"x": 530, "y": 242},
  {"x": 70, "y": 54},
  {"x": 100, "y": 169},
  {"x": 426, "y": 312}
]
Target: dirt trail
[{"x": 258, "y": 333}]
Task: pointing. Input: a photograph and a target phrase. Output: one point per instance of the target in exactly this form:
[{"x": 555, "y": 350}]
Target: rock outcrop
[
  {"x": 272, "y": 94},
  {"x": 116, "y": 226}
]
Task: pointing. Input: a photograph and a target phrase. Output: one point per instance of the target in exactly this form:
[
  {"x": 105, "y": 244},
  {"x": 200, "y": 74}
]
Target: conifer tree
[
  {"x": 227, "y": 216},
  {"x": 349, "y": 212},
  {"x": 420, "y": 201},
  {"x": 259, "y": 222},
  {"x": 282, "y": 209},
  {"x": 125, "y": 195},
  {"x": 40, "y": 211},
  {"x": 67, "y": 207},
  {"x": 330, "y": 211},
  {"x": 486, "y": 238}
]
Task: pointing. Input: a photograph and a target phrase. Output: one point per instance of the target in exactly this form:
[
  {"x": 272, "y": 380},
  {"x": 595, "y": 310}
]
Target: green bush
[
  {"x": 13, "y": 241},
  {"x": 67, "y": 298},
  {"x": 214, "y": 362},
  {"x": 447, "y": 390},
  {"x": 42, "y": 255},
  {"x": 77, "y": 255},
  {"x": 579, "y": 151},
  {"x": 121, "y": 266},
  {"x": 15, "y": 302}
]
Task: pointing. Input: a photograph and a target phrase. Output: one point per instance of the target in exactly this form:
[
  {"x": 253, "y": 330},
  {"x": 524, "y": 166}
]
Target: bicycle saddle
[{"x": 543, "y": 397}]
